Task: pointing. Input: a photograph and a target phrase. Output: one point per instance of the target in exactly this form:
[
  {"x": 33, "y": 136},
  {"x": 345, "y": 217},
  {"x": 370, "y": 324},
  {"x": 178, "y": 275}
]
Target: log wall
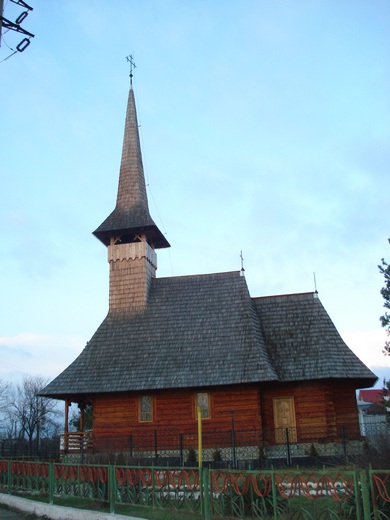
[
  {"x": 321, "y": 407},
  {"x": 118, "y": 414}
]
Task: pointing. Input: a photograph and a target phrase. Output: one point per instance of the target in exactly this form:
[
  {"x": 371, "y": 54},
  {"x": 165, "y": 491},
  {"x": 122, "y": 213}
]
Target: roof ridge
[
  {"x": 200, "y": 275},
  {"x": 287, "y": 295}
]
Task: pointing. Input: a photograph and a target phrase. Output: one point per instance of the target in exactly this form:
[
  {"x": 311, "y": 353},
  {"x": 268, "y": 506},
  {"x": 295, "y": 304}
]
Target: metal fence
[
  {"x": 265, "y": 494},
  {"x": 237, "y": 449},
  {"x": 250, "y": 449},
  {"x": 47, "y": 448}
]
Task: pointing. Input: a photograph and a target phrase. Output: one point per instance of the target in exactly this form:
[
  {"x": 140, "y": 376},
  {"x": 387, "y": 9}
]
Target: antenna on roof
[
  {"x": 315, "y": 286},
  {"x": 132, "y": 67},
  {"x": 242, "y": 272}
]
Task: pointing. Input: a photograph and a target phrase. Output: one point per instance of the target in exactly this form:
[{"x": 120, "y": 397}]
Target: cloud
[
  {"x": 368, "y": 346},
  {"x": 37, "y": 354}
]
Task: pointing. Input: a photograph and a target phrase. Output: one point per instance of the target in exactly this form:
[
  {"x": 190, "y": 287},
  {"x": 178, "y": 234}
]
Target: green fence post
[
  {"x": 357, "y": 495},
  {"x": 206, "y": 491},
  {"x": 51, "y": 483},
  {"x": 111, "y": 487},
  {"x": 9, "y": 476},
  {"x": 365, "y": 495},
  {"x": 373, "y": 490},
  {"x": 153, "y": 489},
  {"x": 201, "y": 491},
  {"x": 274, "y": 496}
]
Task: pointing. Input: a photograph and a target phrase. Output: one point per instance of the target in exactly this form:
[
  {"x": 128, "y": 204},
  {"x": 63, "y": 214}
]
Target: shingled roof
[
  {"x": 202, "y": 331},
  {"x": 303, "y": 342},
  {"x": 196, "y": 331}
]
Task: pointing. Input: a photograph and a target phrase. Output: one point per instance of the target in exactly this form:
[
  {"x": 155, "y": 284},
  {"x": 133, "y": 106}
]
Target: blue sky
[{"x": 265, "y": 127}]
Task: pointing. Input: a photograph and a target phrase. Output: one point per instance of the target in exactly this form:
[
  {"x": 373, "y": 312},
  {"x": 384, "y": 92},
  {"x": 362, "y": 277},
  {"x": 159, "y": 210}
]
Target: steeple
[
  {"x": 129, "y": 232},
  {"x": 131, "y": 218}
]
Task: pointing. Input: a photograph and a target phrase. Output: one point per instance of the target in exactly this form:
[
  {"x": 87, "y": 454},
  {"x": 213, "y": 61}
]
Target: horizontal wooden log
[{"x": 318, "y": 405}]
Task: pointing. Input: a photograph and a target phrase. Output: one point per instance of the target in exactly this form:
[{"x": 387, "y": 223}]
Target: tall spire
[{"x": 131, "y": 218}]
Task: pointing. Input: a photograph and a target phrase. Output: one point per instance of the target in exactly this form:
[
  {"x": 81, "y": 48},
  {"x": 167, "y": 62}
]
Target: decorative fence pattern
[
  {"x": 289, "y": 495},
  {"x": 252, "y": 449}
]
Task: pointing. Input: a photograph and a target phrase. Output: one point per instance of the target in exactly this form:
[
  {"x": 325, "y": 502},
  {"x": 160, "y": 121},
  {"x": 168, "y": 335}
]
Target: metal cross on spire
[
  {"x": 242, "y": 265},
  {"x": 132, "y": 67}
]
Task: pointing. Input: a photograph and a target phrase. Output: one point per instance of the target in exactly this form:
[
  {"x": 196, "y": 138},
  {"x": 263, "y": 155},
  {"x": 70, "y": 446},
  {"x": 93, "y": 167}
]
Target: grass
[
  {"x": 159, "y": 514},
  {"x": 136, "y": 511},
  {"x": 26, "y": 516}
]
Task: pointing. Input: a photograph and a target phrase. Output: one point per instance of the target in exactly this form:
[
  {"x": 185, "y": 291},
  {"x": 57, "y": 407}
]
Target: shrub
[
  {"x": 191, "y": 456},
  {"x": 217, "y": 455}
]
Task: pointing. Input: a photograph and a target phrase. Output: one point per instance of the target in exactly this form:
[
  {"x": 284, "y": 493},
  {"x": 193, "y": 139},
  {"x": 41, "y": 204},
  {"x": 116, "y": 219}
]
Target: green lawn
[{"x": 25, "y": 516}]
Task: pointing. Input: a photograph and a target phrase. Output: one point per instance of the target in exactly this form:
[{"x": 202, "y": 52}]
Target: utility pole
[{"x": 16, "y": 25}]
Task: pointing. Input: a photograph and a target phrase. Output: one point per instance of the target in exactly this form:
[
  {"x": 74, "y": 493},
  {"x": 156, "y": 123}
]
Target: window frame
[
  {"x": 140, "y": 411},
  {"x": 208, "y": 409}
]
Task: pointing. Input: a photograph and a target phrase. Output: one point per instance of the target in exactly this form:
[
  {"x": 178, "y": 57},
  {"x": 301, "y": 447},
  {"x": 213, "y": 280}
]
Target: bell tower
[{"x": 129, "y": 231}]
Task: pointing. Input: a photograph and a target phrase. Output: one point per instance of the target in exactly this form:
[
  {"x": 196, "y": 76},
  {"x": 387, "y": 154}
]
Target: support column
[
  {"x": 82, "y": 409},
  {"x": 66, "y": 426}
]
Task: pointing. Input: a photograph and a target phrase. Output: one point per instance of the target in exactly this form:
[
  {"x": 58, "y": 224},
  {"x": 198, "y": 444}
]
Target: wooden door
[{"x": 284, "y": 419}]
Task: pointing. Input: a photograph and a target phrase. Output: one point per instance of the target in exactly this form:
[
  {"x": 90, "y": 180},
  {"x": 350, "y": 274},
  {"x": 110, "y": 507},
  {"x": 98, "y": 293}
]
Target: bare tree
[
  {"x": 5, "y": 389},
  {"x": 31, "y": 416}
]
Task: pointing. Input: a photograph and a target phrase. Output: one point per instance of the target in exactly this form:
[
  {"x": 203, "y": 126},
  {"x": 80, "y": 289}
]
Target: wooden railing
[{"x": 76, "y": 442}]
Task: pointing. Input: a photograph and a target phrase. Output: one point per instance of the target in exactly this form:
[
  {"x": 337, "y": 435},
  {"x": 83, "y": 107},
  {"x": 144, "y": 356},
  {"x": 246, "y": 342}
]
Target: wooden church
[{"x": 268, "y": 366}]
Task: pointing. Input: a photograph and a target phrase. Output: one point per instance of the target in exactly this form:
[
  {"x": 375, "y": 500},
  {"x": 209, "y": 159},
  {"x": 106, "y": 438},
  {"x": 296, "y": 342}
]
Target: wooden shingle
[
  {"x": 303, "y": 342},
  {"x": 202, "y": 331},
  {"x": 196, "y": 331}
]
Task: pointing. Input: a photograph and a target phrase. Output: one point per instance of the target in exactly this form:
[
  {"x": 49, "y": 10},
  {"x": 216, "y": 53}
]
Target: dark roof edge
[
  {"x": 69, "y": 395},
  {"x": 62, "y": 397},
  {"x": 355, "y": 380}
]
